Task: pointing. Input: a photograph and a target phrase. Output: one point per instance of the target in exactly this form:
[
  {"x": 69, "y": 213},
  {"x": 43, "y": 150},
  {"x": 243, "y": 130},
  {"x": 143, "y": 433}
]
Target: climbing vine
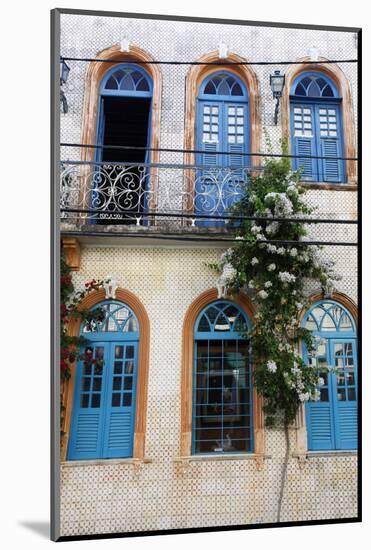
[{"x": 275, "y": 275}]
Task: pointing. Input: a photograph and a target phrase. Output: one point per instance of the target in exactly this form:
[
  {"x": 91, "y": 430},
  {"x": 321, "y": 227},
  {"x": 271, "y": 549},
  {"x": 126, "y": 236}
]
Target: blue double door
[
  {"x": 332, "y": 421},
  {"x": 104, "y": 401},
  {"x": 317, "y": 132},
  {"x": 222, "y": 127}
]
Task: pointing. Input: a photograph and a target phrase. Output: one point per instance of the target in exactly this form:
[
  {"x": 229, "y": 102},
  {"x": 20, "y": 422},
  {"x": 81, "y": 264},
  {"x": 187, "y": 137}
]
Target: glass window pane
[
  {"x": 95, "y": 401},
  {"x": 126, "y": 400},
  {"x": 116, "y": 399}
]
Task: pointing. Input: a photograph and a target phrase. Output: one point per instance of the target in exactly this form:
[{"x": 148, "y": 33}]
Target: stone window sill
[
  {"x": 104, "y": 461},
  {"x": 316, "y": 454},
  {"x": 220, "y": 457}
]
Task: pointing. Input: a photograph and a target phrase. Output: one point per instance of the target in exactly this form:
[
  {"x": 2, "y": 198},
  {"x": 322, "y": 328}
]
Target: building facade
[{"x": 152, "y": 157}]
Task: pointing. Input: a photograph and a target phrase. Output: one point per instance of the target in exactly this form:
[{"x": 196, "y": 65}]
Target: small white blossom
[
  {"x": 316, "y": 395},
  {"x": 271, "y": 267},
  {"x": 299, "y": 305},
  {"x": 293, "y": 252},
  {"x": 272, "y": 228},
  {"x": 268, "y": 284},
  {"x": 271, "y": 366},
  {"x": 286, "y": 277},
  {"x": 304, "y": 396},
  {"x": 254, "y": 261},
  {"x": 281, "y": 251},
  {"x": 263, "y": 294},
  {"x": 251, "y": 284},
  {"x": 260, "y": 237},
  {"x": 256, "y": 228},
  {"x": 271, "y": 248},
  {"x": 321, "y": 381}
]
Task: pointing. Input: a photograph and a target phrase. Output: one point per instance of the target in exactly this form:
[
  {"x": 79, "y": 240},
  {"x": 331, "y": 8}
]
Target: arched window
[
  {"x": 123, "y": 122},
  {"x": 222, "y": 125},
  {"x": 316, "y": 128},
  {"x": 222, "y": 381},
  {"x": 105, "y": 388},
  {"x": 332, "y": 421}
]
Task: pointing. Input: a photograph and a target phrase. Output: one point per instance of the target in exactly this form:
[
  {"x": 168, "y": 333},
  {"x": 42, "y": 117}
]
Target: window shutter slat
[
  {"x": 304, "y": 146},
  {"x": 331, "y": 168},
  {"x": 347, "y": 425},
  {"x": 319, "y": 425}
]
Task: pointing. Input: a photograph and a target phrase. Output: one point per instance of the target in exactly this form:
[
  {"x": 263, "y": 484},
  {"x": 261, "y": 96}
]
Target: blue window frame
[
  {"x": 222, "y": 125},
  {"x": 332, "y": 421},
  {"x": 222, "y": 381},
  {"x": 316, "y": 128},
  {"x": 105, "y": 386},
  {"x": 123, "y": 119}
]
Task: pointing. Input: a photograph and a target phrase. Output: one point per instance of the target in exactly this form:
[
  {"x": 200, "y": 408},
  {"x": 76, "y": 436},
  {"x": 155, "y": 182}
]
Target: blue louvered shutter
[
  {"x": 303, "y": 132},
  {"x": 120, "y": 404},
  {"x": 345, "y": 393},
  {"x": 319, "y": 414},
  {"x": 209, "y": 141},
  {"x": 88, "y": 410},
  {"x": 328, "y": 135},
  {"x": 235, "y": 141}
]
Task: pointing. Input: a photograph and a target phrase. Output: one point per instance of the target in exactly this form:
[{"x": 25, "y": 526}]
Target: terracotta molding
[
  {"x": 194, "y": 79},
  {"x": 72, "y": 253},
  {"x": 187, "y": 370},
  {"x": 128, "y": 298},
  {"x": 94, "y": 74},
  {"x": 334, "y": 72}
]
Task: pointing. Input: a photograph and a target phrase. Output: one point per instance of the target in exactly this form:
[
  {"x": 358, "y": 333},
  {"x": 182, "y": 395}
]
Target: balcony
[{"x": 121, "y": 197}]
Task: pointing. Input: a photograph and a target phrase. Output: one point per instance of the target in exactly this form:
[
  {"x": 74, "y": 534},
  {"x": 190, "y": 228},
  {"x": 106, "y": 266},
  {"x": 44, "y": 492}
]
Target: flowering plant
[
  {"x": 275, "y": 275},
  {"x": 70, "y": 301}
]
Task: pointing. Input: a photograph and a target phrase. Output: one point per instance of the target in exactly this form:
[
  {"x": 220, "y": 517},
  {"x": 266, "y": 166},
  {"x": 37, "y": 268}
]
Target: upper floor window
[
  {"x": 222, "y": 381},
  {"x": 316, "y": 128},
  {"x": 103, "y": 412},
  {"x": 123, "y": 135},
  {"x": 332, "y": 421},
  {"x": 222, "y": 125}
]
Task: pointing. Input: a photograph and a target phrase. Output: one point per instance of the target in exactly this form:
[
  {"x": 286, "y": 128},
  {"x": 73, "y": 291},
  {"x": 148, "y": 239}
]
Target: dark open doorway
[{"x": 124, "y": 121}]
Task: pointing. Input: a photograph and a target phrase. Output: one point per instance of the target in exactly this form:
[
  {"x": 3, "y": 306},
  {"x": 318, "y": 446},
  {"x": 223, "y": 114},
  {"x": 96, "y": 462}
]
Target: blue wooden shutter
[
  {"x": 88, "y": 410},
  {"x": 209, "y": 141},
  {"x": 302, "y": 128},
  {"x": 328, "y": 135},
  {"x": 120, "y": 404},
  {"x": 319, "y": 414},
  {"x": 345, "y": 393}
]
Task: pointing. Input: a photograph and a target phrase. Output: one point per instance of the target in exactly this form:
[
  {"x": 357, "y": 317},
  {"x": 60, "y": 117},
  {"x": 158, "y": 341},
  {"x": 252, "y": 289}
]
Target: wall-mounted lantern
[
  {"x": 63, "y": 76},
  {"x": 277, "y": 83}
]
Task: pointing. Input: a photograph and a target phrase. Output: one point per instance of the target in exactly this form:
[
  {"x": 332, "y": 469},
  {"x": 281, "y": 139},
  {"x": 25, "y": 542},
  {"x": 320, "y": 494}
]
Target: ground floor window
[
  {"x": 222, "y": 381},
  {"x": 105, "y": 387},
  {"x": 332, "y": 421}
]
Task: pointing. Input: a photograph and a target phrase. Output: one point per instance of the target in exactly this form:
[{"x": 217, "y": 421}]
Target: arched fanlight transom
[
  {"x": 330, "y": 317},
  {"x": 314, "y": 86},
  {"x": 127, "y": 79},
  {"x": 116, "y": 317},
  {"x": 223, "y": 84},
  {"x": 222, "y": 317}
]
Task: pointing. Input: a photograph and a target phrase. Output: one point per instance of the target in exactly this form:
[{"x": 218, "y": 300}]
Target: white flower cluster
[
  {"x": 263, "y": 294},
  {"x": 281, "y": 251},
  {"x": 271, "y": 248},
  {"x": 293, "y": 252},
  {"x": 271, "y": 267},
  {"x": 281, "y": 202},
  {"x": 272, "y": 366},
  {"x": 268, "y": 284},
  {"x": 256, "y": 229},
  {"x": 292, "y": 189},
  {"x": 254, "y": 261},
  {"x": 286, "y": 277},
  {"x": 272, "y": 228},
  {"x": 226, "y": 256}
]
